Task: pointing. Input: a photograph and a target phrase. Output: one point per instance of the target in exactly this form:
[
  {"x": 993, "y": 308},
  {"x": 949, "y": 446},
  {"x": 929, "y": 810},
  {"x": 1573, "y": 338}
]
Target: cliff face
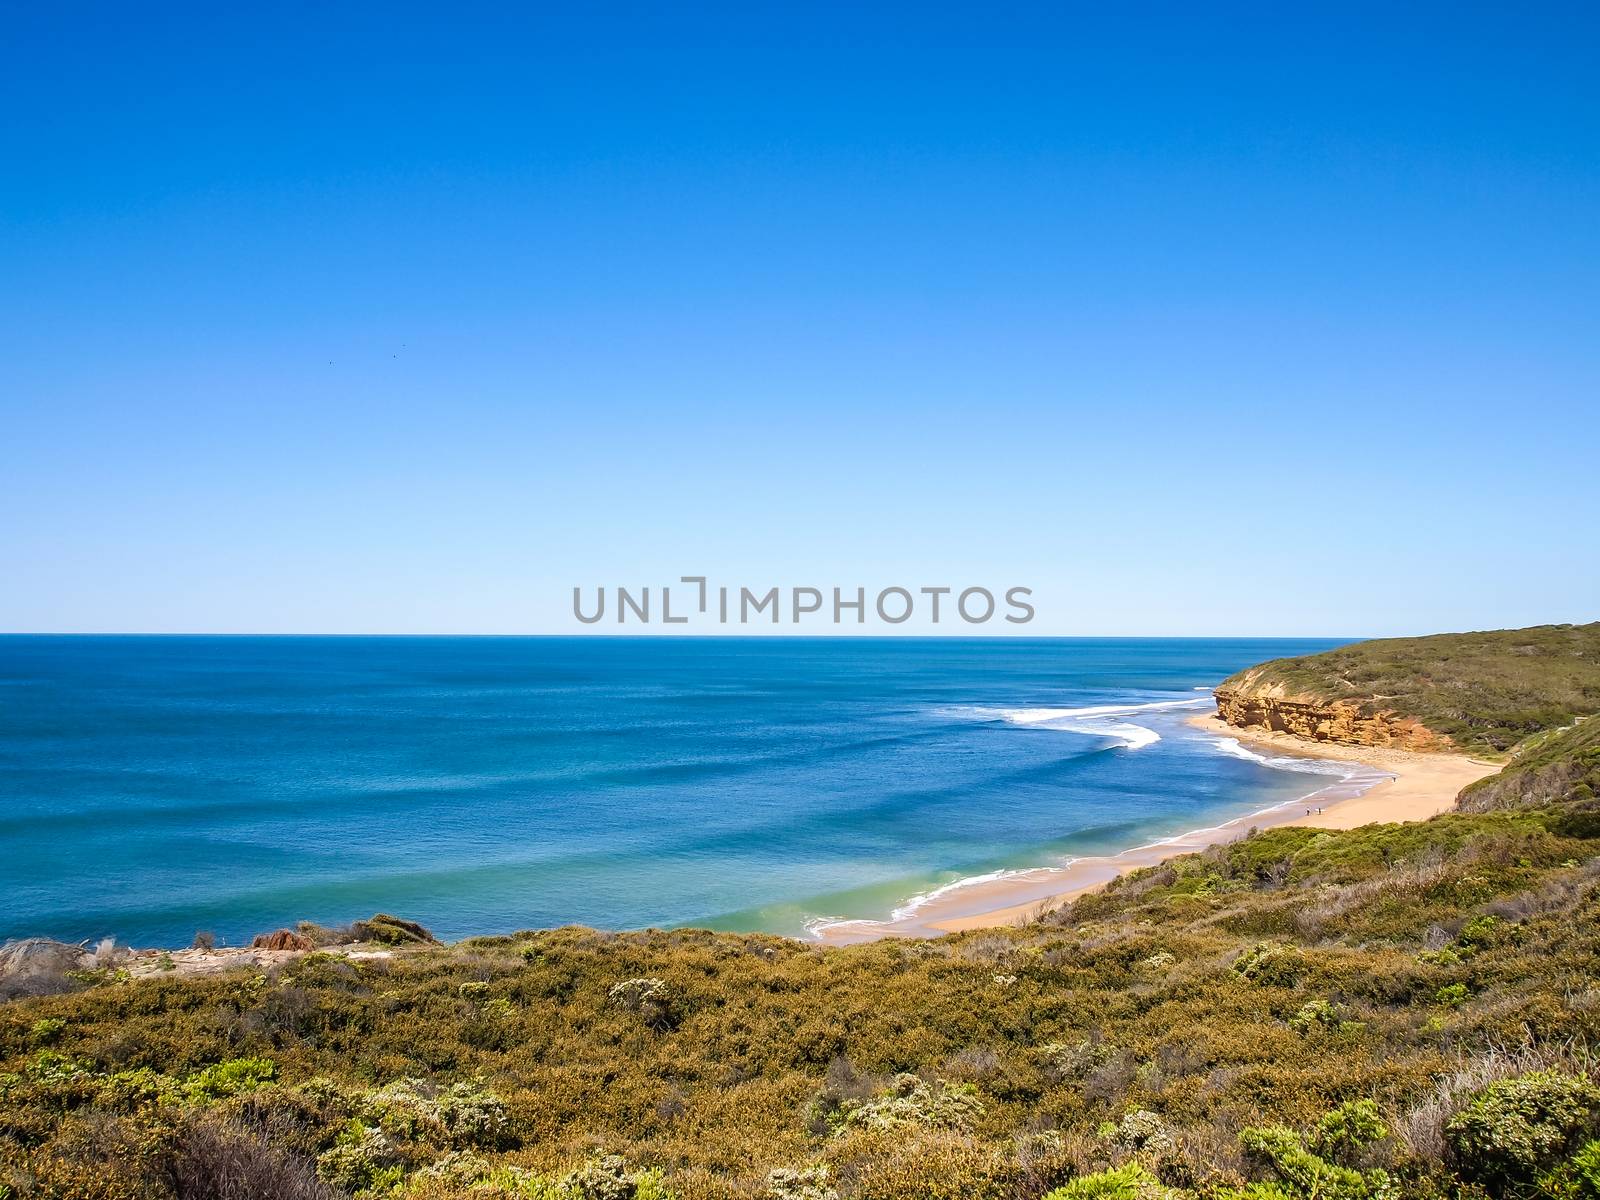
[{"x": 1251, "y": 701}]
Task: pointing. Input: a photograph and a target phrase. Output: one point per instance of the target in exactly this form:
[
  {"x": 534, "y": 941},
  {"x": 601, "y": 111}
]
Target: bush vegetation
[
  {"x": 1289, "y": 1041},
  {"x": 1557, "y": 767}
]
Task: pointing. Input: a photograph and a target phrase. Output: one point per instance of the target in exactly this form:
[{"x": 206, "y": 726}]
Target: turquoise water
[{"x": 154, "y": 786}]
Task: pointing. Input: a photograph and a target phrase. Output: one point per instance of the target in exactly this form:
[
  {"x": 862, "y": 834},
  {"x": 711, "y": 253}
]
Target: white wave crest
[
  {"x": 1282, "y": 762},
  {"x": 1095, "y": 720},
  {"x": 907, "y": 910}
]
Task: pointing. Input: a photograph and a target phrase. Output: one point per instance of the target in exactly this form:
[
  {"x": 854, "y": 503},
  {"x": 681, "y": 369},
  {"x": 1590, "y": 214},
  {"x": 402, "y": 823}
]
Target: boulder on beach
[{"x": 39, "y": 967}]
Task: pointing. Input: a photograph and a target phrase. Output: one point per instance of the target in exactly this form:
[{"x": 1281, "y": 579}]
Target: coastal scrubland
[
  {"x": 1401, "y": 1010},
  {"x": 1396, "y": 1010}
]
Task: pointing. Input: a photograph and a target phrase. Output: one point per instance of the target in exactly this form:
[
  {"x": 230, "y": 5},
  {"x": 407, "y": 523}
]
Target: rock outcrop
[
  {"x": 39, "y": 967},
  {"x": 1250, "y": 700},
  {"x": 282, "y": 939}
]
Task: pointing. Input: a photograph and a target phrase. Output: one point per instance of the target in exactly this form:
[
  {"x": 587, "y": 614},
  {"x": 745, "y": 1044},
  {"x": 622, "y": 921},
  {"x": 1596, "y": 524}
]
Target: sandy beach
[{"x": 1385, "y": 786}]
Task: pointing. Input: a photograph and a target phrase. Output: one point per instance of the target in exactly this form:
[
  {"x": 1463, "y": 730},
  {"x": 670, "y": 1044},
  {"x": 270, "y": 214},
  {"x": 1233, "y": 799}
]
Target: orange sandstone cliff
[{"x": 1252, "y": 700}]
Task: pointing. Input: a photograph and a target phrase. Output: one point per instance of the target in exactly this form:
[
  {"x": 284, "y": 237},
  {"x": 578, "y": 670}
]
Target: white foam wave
[
  {"x": 908, "y": 909},
  {"x": 1283, "y": 762},
  {"x": 1095, "y": 720}
]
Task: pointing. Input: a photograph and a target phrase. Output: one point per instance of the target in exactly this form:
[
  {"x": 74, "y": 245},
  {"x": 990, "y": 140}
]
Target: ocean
[{"x": 152, "y": 787}]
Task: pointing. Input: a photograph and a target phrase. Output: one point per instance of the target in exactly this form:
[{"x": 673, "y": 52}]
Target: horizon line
[{"x": 658, "y": 636}]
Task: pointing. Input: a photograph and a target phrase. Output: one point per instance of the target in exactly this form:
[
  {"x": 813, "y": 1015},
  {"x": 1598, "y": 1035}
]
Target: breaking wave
[{"x": 1101, "y": 720}]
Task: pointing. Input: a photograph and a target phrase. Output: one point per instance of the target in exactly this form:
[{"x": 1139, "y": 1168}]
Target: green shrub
[
  {"x": 911, "y": 1101},
  {"x": 651, "y": 1000},
  {"x": 1141, "y": 1130},
  {"x": 360, "y": 1159},
  {"x": 812, "y": 1183},
  {"x": 1347, "y": 1130},
  {"x": 51, "y": 1066},
  {"x": 1271, "y": 963},
  {"x": 1304, "y": 1174},
  {"x": 608, "y": 1178},
  {"x": 391, "y": 931},
  {"x": 1451, "y": 995},
  {"x": 128, "y": 1090},
  {"x": 1075, "y": 1060},
  {"x": 1478, "y": 934},
  {"x": 1127, "y": 1182},
  {"x": 458, "y": 1169},
  {"x": 46, "y": 1030},
  {"x": 463, "y": 1116},
  {"x": 229, "y": 1078},
  {"x": 1517, "y": 1127},
  {"x": 1576, "y": 1179},
  {"x": 1322, "y": 1016}
]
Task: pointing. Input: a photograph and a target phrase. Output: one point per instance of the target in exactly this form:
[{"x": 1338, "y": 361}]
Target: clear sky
[{"x": 1197, "y": 319}]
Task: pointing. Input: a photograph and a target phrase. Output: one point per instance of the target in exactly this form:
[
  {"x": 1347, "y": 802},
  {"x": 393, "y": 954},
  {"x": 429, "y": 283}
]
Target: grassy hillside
[
  {"x": 1301, "y": 1014},
  {"x": 1552, "y": 767},
  {"x": 1486, "y": 691}
]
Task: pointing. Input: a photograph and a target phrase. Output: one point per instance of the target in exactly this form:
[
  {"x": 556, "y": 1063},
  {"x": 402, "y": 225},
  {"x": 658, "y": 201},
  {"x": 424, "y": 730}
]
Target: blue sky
[{"x": 1195, "y": 319}]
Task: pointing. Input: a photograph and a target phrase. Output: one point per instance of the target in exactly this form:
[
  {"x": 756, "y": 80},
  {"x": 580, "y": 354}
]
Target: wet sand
[{"x": 1385, "y": 786}]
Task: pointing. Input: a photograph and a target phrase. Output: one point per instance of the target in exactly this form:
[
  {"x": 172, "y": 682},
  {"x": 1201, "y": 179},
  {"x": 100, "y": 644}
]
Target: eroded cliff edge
[
  {"x": 1485, "y": 693},
  {"x": 1251, "y": 701}
]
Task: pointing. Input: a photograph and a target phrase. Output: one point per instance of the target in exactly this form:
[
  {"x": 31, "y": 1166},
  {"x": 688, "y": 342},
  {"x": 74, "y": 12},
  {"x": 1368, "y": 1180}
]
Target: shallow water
[{"x": 154, "y": 786}]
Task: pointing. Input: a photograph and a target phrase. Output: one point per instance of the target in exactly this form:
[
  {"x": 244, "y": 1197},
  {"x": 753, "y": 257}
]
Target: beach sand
[{"x": 1400, "y": 785}]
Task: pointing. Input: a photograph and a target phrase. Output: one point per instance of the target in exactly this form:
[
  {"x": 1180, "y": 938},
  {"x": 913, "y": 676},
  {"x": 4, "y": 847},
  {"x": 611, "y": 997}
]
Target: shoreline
[{"x": 1384, "y": 785}]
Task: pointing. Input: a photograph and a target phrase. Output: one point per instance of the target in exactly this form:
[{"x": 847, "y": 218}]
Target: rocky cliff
[{"x": 1253, "y": 700}]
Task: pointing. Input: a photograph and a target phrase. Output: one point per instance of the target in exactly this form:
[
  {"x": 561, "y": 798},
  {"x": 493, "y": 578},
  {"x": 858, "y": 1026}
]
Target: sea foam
[
  {"x": 1283, "y": 762},
  {"x": 1095, "y": 720}
]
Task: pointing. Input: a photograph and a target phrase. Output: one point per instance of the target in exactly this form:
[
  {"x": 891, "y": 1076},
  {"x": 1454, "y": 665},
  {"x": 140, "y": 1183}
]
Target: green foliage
[
  {"x": 1576, "y": 1179},
  {"x": 1322, "y": 1016},
  {"x": 463, "y": 1116},
  {"x": 608, "y": 1178},
  {"x": 1478, "y": 934},
  {"x": 1451, "y": 995},
  {"x": 1517, "y": 1127},
  {"x": 1306, "y": 1175},
  {"x": 362, "y": 1159},
  {"x": 229, "y": 1078},
  {"x": 1346, "y": 1131},
  {"x": 391, "y": 931},
  {"x": 1140, "y": 1130},
  {"x": 1270, "y": 963},
  {"x": 1127, "y": 1182},
  {"x": 46, "y": 1030},
  {"x": 1555, "y": 767},
  {"x": 911, "y": 1101}
]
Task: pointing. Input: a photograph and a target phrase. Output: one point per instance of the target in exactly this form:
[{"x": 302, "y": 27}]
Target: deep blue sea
[{"x": 151, "y": 787}]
